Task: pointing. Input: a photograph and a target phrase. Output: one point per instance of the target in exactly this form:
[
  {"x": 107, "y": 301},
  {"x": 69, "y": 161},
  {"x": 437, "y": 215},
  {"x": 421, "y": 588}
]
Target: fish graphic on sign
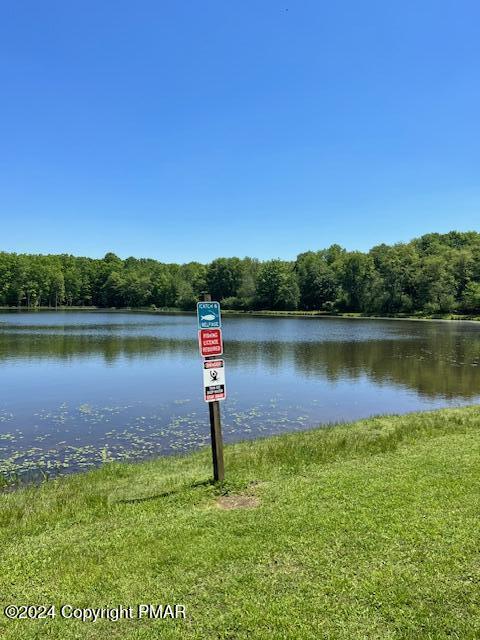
[{"x": 209, "y": 317}]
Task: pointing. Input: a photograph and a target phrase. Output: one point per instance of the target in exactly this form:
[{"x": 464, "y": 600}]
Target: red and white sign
[
  {"x": 214, "y": 380},
  {"x": 210, "y": 342}
]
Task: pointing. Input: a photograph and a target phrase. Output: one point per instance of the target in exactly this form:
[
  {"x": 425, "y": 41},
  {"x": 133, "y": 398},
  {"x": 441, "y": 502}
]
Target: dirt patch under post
[{"x": 238, "y": 502}]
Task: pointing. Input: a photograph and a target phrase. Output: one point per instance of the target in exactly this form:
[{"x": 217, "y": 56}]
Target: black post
[
  {"x": 217, "y": 441},
  {"x": 215, "y": 426}
]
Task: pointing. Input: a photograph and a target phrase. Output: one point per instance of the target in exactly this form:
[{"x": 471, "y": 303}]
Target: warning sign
[
  {"x": 214, "y": 380},
  {"x": 210, "y": 342}
]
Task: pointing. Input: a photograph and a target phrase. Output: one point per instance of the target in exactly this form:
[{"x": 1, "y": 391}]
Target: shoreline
[
  {"x": 321, "y": 431},
  {"x": 447, "y": 317}
]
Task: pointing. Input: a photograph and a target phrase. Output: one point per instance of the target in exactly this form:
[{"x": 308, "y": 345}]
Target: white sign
[{"x": 214, "y": 380}]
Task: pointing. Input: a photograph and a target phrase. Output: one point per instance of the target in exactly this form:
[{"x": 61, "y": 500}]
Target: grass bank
[
  {"x": 367, "y": 530},
  {"x": 354, "y": 315}
]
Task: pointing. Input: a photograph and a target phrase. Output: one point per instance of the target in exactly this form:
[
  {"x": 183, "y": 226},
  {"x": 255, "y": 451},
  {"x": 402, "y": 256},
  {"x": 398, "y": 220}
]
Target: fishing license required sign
[{"x": 210, "y": 342}]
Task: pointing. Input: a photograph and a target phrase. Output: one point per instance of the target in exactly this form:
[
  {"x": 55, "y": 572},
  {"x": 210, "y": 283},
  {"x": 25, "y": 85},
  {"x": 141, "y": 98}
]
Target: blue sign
[{"x": 208, "y": 315}]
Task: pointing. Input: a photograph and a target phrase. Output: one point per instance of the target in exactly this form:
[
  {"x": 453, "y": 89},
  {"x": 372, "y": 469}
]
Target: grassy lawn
[{"x": 370, "y": 530}]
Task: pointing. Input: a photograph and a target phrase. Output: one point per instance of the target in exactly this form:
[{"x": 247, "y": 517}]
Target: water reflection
[{"x": 435, "y": 364}]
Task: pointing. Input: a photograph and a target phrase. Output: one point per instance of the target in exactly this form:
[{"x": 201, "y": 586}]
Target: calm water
[{"x": 76, "y": 386}]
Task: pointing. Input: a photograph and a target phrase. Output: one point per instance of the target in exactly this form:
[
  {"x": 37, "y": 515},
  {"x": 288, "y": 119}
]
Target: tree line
[{"x": 436, "y": 273}]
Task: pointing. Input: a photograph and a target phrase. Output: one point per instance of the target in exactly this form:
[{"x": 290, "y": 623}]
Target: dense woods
[{"x": 432, "y": 274}]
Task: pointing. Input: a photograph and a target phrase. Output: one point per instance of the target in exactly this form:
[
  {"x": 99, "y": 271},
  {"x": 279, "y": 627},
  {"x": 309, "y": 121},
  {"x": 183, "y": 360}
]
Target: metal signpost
[{"x": 211, "y": 345}]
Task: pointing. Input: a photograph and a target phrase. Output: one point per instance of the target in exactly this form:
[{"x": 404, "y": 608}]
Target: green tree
[
  {"x": 316, "y": 280},
  {"x": 436, "y": 286},
  {"x": 276, "y": 286},
  {"x": 224, "y": 277},
  {"x": 471, "y": 298},
  {"x": 397, "y": 268},
  {"x": 186, "y": 298},
  {"x": 359, "y": 282},
  {"x": 195, "y": 275}
]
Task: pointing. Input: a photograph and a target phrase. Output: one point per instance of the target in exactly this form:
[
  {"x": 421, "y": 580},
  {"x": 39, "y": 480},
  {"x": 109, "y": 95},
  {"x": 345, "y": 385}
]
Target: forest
[{"x": 436, "y": 273}]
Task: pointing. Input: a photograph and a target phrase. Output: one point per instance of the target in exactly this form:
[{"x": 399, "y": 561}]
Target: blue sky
[{"x": 185, "y": 130}]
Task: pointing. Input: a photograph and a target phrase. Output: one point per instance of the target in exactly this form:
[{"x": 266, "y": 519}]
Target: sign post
[{"x": 211, "y": 346}]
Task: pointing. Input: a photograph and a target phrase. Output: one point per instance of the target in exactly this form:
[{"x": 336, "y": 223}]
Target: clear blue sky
[{"x": 186, "y": 130}]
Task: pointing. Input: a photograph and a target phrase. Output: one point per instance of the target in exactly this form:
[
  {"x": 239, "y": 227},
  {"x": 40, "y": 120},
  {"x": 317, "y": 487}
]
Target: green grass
[{"x": 368, "y": 530}]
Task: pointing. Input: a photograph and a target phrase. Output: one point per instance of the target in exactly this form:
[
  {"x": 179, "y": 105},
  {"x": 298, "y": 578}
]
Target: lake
[{"x": 80, "y": 387}]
